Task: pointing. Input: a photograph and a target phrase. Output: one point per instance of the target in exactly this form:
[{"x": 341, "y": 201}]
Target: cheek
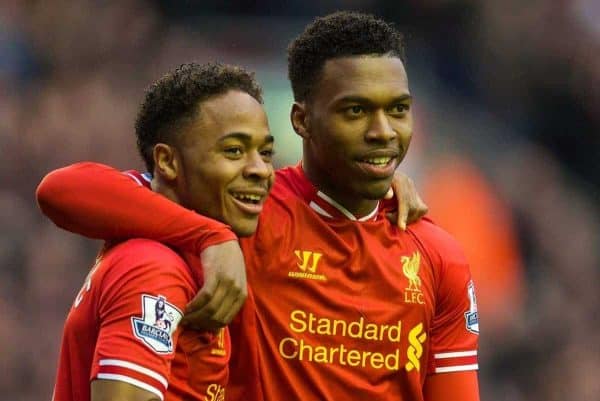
[
  {"x": 404, "y": 129},
  {"x": 342, "y": 133}
]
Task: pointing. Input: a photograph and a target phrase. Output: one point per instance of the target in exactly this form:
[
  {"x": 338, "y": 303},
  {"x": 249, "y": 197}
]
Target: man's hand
[
  {"x": 410, "y": 205},
  {"x": 224, "y": 290}
]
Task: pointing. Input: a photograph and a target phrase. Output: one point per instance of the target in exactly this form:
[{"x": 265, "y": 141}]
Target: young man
[
  {"x": 203, "y": 133},
  {"x": 342, "y": 304}
]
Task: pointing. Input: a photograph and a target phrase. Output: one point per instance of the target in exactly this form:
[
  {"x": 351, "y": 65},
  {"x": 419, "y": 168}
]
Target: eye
[
  {"x": 399, "y": 109},
  {"x": 354, "y": 111},
  {"x": 267, "y": 154},
  {"x": 233, "y": 151}
]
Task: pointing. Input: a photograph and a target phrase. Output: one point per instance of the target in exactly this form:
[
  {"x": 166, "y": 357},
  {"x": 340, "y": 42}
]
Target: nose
[
  {"x": 257, "y": 167},
  {"x": 380, "y": 129}
]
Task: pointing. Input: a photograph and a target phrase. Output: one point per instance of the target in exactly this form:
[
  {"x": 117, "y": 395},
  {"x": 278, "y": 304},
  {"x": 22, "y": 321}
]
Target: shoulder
[
  {"x": 437, "y": 241},
  {"x": 287, "y": 184},
  {"x": 144, "y": 265},
  {"x": 144, "y": 254},
  {"x": 285, "y": 197}
]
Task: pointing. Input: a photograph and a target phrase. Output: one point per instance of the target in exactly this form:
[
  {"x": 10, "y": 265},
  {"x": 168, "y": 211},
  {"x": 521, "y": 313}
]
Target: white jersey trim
[
  {"x": 458, "y": 354},
  {"x": 136, "y": 367},
  {"x": 345, "y": 211},
  {"x": 135, "y": 382},
  {"x": 319, "y": 209},
  {"x": 135, "y": 178},
  {"x": 460, "y": 368}
]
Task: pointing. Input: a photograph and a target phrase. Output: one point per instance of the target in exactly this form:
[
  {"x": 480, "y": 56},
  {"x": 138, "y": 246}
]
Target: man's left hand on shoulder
[{"x": 410, "y": 206}]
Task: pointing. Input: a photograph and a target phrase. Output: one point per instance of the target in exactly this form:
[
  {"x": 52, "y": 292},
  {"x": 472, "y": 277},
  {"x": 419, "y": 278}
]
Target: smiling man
[
  {"x": 203, "y": 133},
  {"x": 363, "y": 310},
  {"x": 342, "y": 304}
]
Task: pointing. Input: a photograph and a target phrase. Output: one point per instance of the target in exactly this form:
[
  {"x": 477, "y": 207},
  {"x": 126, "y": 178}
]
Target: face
[
  {"x": 358, "y": 126},
  {"x": 225, "y": 161}
]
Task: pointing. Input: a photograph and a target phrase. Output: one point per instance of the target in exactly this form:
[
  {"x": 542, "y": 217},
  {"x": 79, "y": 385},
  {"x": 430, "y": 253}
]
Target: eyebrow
[
  {"x": 364, "y": 100},
  {"x": 242, "y": 136}
]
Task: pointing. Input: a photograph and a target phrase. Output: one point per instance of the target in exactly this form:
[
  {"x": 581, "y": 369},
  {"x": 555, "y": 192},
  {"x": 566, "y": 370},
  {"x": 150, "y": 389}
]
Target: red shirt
[
  {"x": 123, "y": 326},
  {"x": 345, "y": 308},
  {"x": 340, "y": 308}
]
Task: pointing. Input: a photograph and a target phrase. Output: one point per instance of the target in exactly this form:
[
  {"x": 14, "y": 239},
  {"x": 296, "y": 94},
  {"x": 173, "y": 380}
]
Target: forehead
[
  {"x": 365, "y": 76},
  {"x": 232, "y": 112}
]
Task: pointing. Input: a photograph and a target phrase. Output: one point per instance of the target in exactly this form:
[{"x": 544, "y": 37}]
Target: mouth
[
  {"x": 379, "y": 164},
  {"x": 249, "y": 201}
]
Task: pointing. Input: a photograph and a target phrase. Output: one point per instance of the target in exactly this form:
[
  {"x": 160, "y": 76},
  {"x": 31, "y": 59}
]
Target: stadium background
[{"x": 506, "y": 153}]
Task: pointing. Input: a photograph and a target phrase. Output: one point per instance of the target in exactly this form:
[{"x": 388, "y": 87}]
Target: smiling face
[
  {"x": 356, "y": 126},
  {"x": 223, "y": 158}
]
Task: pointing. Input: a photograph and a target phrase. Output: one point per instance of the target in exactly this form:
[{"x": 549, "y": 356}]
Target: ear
[
  {"x": 166, "y": 163},
  {"x": 300, "y": 120}
]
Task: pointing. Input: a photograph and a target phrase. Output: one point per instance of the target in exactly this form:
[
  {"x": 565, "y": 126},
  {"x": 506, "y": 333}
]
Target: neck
[
  {"x": 350, "y": 200},
  {"x": 160, "y": 187}
]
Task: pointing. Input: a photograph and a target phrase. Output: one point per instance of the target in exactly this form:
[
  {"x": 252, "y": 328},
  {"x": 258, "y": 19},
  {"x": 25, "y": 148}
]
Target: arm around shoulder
[{"x": 99, "y": 201}]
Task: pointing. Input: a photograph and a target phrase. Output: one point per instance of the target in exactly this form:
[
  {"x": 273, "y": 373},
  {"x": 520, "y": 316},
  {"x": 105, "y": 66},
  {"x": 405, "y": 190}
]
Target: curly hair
[
  {"x": 340, "y": 34},
  {"x": 173, "y": 100}
]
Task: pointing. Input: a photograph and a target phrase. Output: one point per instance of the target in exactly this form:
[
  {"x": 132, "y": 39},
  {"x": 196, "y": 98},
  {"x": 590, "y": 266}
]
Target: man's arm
[
  {"x": 112, "y": 390},
  {"x": 452, "y": 386},
  {"x": 454, "y": 334},
  {"x": 98, "y": 201}
]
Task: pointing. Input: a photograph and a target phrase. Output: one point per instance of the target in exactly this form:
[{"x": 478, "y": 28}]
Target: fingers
[
  {"x": 403, "y": 209},
  {"x": 224, "y": 290},
  {"x": 204, "y": 295},
  {"x": 211, "y": 310},
  {"x": 389, "y": 194},
  {"x": 418, "y": 209}
]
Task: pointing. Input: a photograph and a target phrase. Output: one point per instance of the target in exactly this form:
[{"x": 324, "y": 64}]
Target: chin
[
  {"x": 375, "y": 191},
  {"x": 244, "y": 229}
]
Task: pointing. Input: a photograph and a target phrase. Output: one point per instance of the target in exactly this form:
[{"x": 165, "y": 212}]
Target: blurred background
[{"x": 506, "y": 152}]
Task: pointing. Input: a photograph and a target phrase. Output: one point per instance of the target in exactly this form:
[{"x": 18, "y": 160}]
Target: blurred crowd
[{"x": 506, "y": 152}]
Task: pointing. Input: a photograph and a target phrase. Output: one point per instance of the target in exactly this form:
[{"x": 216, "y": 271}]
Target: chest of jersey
[{"x": 352, "y": 299}]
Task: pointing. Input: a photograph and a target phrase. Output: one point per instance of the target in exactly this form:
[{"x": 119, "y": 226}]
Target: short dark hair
[
  {"x": 340, "y": 34},
  {"x": 173, "y": 100}
]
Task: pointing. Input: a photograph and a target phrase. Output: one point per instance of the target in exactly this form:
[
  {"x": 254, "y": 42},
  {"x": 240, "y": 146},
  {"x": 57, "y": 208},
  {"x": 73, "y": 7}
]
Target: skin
[
  {"x": 112, "y": 390},
  {"x": 225, "y": 151},
  {"x": 362, "y": 110}
]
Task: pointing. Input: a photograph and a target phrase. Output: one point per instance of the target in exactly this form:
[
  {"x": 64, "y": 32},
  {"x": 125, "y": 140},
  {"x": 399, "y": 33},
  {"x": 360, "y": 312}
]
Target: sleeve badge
[
  {"x": 158, "y": 322},
  {"x": 471, "y": 317}
]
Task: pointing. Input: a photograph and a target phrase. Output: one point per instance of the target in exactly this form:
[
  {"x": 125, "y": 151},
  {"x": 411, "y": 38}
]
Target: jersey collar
[{"x": 328, "y": 207}]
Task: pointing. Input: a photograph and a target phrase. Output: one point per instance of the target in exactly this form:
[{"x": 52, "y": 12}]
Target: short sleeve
[
  {"x": 455, "y": 328},
  {"x": 142, "y": 298}
]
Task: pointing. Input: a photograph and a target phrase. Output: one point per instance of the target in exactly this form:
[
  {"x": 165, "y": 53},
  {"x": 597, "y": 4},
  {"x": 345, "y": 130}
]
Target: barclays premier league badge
[
  {"x": 471, "y": 317},
  {"x": 158, "y": 322}
]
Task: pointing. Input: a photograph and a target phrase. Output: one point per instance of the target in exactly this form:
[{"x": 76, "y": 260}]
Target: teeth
[
  {"x": 248, "y": 197},
  {"x": 378, "y": 160}
]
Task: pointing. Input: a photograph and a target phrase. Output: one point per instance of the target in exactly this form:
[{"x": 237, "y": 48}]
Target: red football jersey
[
  {"x": 123, "y": 325},
  {"x": 340, "y": 308},
  {"x": 348, "y": 308}
]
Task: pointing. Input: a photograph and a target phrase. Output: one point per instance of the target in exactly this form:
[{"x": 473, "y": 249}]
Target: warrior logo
[{"x": 307, "y": 262}]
